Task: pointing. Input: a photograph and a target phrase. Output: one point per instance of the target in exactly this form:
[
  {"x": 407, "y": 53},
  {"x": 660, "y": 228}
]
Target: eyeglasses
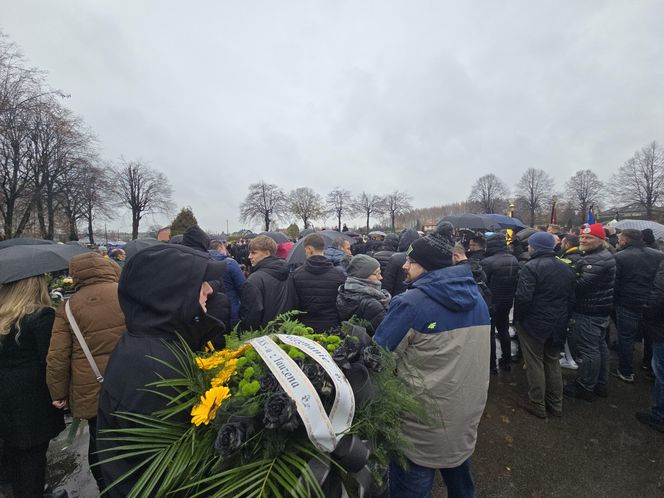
[{"x": 411, "y": 262}]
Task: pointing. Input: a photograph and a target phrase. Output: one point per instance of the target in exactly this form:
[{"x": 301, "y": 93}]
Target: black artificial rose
[
  {"x": 316, "y": 374},
  {"x": 269, "y": 382},
  {"x": 371, "y": 357},
  {"x": 231, "y": 436},
  {"x": 280, "y": 413},
  {"x": 346, "y": 353}
]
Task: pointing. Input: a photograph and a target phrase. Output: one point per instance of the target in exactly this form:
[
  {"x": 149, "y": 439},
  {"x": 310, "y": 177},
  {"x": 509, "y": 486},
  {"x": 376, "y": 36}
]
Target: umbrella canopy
[
  {"x": 657, "y": 228},
  {"x": 505, "y": 221},
  {"x": 19, "y": 262},
  {"x": 297, "y": 256},
  {"x": 471, "y": 221},
  {"x": 377, "y": 233},
  {"x": 278, "y": 237},
  {"x": 134, "y": 246},
  {"x": 24, "y": 242},
  {"x": 306, "y": 232}
]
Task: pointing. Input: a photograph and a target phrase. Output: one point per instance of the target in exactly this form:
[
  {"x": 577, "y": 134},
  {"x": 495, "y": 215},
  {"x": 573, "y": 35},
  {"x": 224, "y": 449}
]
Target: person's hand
[{"x": 60, "y": 404}]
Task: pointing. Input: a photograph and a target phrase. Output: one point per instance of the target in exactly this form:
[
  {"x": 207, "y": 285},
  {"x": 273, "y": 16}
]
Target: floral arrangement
[{"x": 237, "y": 424}]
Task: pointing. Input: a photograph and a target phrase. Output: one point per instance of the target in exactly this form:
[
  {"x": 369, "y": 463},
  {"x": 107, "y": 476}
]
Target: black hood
[
  {"x": 407, "y": 239},
  {"x": 196, "y": 238},
  {"x": 318, "y": 265},
  {"x": 159, "y": 290},
  {"x": 274, "y": 266},
  {"x": 495, "y": 244}
]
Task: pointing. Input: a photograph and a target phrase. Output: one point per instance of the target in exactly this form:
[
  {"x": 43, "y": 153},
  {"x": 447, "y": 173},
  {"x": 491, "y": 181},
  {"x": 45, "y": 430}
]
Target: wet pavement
[{"x": 596, "y": 450}]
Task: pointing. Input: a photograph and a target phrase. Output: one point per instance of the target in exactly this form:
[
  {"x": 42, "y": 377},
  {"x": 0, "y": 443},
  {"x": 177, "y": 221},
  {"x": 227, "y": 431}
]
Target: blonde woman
[{"x": 28, "y": 421}]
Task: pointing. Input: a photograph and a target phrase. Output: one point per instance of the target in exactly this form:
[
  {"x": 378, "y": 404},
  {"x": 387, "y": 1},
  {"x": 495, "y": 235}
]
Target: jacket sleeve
[
  {"x": 236, "y": 275},
  {"x": 617, "y": 287},
  {"x": 396, "y": 324},
  {"x": 525, "y": 290},
  {"x": 374, "y": 313},
  {"x": 58, "y": 361},
  {"x": 655, "y": 303},
  {"x": 392, "y": 273},
  {"x": 251, "y": 306}
]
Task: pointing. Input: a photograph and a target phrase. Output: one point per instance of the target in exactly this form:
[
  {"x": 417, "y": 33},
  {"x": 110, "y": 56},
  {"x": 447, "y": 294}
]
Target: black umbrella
[
  {"x": 306, "y": 232},
  {"x": 297, "y": 256},
  {"x": 134, "y": 246},
  {"x": 278, "y": 237},
  {"x": 505, "y": 221},
  {"x": 19, "y": 262},
  {"x": 24, "y": 242},
  {"x": 471, "y": 221}
]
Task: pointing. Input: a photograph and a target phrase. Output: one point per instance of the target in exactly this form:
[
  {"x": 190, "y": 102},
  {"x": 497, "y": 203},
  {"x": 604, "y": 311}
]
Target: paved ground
[{"x": 596, "y": 450}]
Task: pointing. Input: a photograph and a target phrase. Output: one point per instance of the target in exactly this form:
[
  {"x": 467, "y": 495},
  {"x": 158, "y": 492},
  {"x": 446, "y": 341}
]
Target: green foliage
[
  {"x": 293, "y": 231},
  {"x": 184, "y": 220}
]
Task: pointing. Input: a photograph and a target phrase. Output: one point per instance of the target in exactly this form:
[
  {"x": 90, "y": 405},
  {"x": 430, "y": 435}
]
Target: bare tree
[
  {"x": 488, "y": 191},
  {"x": 368, "y": 205},
  {"x": 535, "y": 189},
  {"x": 339, "y": 202},
  {"x": 306, "y": 205},
  {"x": 97, "y": 192},
  {"x": 396, "y": 204},
  {"x": 142, "y": 190},
  {"x": 640, "y": 181},
  {"x": 583, "y": 191},
  {"x": 265, "y": 202}
]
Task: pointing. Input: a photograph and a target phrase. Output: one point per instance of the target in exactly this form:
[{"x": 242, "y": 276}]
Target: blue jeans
[
  {"x": 417, "y": 481},
  {"x": 658, "y": 391},
  {"x": 587, "y": 342},
  {"x": 628, "y": 327}
]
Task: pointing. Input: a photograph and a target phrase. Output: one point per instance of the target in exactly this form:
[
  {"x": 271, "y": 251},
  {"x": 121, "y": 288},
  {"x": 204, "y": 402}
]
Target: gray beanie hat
[{"x": 362, "y": 266}]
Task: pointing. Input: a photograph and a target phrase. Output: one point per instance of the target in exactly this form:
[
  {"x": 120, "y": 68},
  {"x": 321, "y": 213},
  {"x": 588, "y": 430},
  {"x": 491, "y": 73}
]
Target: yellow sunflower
[
  {"x": 225, "y": 375},
  {"x": 206, "y": 409}
]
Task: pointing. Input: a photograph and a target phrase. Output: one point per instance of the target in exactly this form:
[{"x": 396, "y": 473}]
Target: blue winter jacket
[
  {"x": 233, "y": 281},
  {"x": 439, "y": 332}
]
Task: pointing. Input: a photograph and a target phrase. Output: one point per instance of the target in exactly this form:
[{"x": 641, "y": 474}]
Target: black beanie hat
[{"x": 435, "y": 250}]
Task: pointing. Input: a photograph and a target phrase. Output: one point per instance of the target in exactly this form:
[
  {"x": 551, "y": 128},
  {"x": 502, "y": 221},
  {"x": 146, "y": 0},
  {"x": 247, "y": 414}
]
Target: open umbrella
[
  {"x": 24, "y": 242},
  {"x": 297, "y": 256},
  {"x": 377, "y": 233},
  {"x": 505, "y": 221},
  {"x": 471, "y": 221},
  {"x": 134, "y": 246},
  {"x": 278, "y": 237},
  {"x": 19, "y": 262},
  {"x": 657, "y": 228}
]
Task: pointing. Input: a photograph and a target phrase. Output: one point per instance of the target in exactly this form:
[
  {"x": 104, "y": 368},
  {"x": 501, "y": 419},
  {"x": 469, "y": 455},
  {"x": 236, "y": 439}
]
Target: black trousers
[
  {"x": 27, "y": 470},
  {"x": 93, "y": 458},
  {"x": 500, "y": 324}
]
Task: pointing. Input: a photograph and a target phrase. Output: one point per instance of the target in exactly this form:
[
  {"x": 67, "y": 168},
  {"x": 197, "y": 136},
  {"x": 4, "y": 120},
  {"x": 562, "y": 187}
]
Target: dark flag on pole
[{"x": 554, "y": 219}]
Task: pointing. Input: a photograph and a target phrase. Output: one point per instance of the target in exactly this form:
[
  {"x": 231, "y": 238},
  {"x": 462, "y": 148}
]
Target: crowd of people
[{"x": 440, "y": 303}]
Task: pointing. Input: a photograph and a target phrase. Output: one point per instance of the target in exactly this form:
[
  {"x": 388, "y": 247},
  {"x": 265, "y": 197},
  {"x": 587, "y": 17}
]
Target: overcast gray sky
[{"x": 422, "y": 96}]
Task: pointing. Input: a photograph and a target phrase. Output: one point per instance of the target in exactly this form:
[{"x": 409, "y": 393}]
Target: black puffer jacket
[
  {"x": 27, "y": 417},
  {"x": 571, "y": 256},
  {"x": 159, "y": 295},
  {"x": 636, "y": 266},
  {"x": 545, "y": 297},
  {"x": 383, "y": 257},
  {"x": 654, "y": 312},
  {"x": 268, "y": 292},
  {"x": 596, "y": 273},
  {"x": 317, "y": 285},
  {"x": 393, "y": 275},
  {"x": 364, "y": 306},
  {"x": 502, "y": 271}
]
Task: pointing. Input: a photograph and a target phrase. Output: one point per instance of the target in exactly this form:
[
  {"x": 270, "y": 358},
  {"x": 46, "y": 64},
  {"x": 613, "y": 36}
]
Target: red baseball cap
[{"x": 596, "y": 230}]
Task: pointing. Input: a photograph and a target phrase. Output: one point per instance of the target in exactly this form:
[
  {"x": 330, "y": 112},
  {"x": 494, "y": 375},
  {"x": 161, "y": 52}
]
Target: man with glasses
[{"x": 439, "y": 332}]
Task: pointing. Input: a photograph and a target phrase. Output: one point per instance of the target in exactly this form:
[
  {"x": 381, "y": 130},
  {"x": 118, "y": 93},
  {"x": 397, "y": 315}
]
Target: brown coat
[{"x": 97, "y": 311}]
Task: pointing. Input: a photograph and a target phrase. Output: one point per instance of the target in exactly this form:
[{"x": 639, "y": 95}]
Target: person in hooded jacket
[
  {"x": 164, "y": 292},
  {"x": 316, "y": 284},
  {"x": 269, "y": 290},
  {"x": 394, "y": 275},
  {"x": 502, "y": 273},
  {"x": 439, "y": 332},
  {"x": 96, "y": 309},
  {"x": 361, "y": 294},
  {"x": 544, "y": 299},
  {"x": 233, "y": 280}
]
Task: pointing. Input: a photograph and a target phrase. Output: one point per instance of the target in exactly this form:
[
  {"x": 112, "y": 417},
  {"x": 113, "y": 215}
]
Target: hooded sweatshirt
[
  {"x": 268, "y": 292},
  {"x": 393, "y": 275},
  {"x": 439, "y": 331},
  {"x": 159, "y": 295}
]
